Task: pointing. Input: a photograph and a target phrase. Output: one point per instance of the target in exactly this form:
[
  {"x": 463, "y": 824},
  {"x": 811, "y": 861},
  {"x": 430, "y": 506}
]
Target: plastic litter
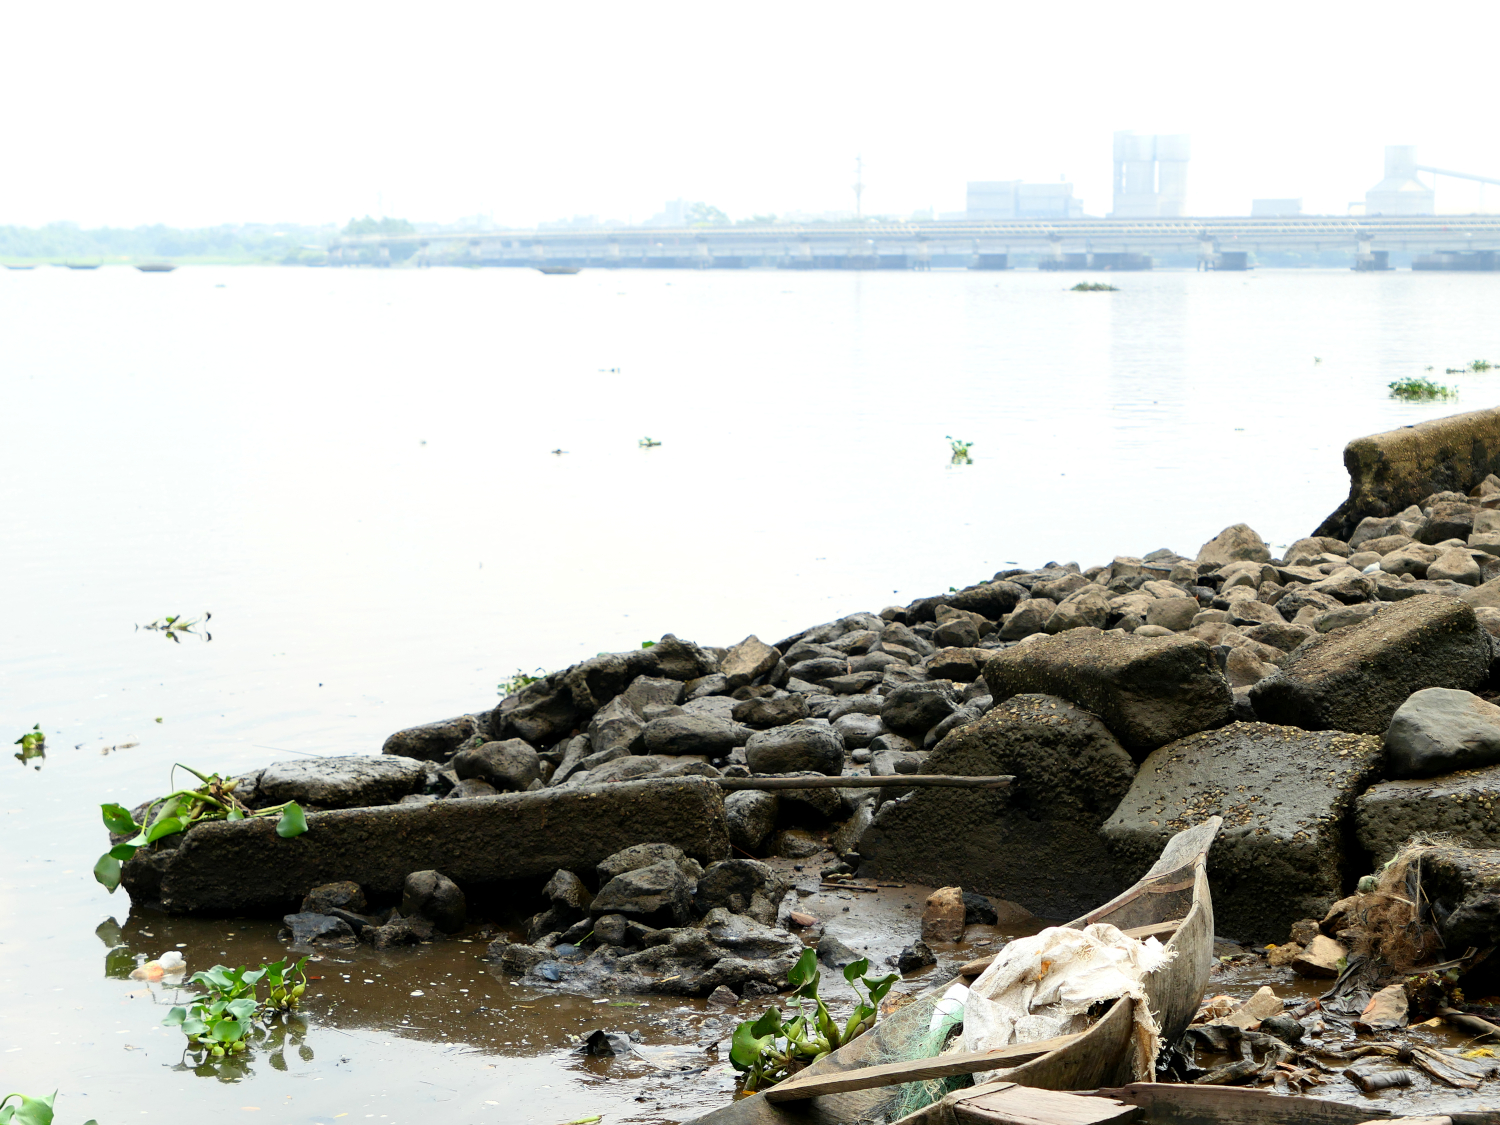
[{"x": 1043, "y": 986}]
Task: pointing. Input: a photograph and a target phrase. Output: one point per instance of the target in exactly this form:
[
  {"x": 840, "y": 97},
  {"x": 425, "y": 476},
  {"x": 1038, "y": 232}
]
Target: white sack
[{"x": 1043, "y": 986}]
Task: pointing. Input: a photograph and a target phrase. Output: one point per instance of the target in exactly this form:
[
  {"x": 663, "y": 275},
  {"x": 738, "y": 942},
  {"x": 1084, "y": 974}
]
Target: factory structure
[{"x": 1150, "y": 176}]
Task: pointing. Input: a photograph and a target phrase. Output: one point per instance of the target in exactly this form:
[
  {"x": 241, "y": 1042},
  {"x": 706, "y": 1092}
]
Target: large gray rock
[
  {"x": 741, "y": 886},
  {"x": 914, "y": 709},
  {"x": 435, "y": 742},
  {"x": 771, "y": 712},
  {"x": 485, "y": 840},
  {"x": 1463, "y": 886},
  {"x": 1037, "y": 843},
  {"x": 1284, "y": 795},
  {"x": 348, "y": 782},
  {"x": 1236, "y": 542},
  {"x": 645, "y": 855},
  {"x": 1355, "y": 678},
  {"x": 616, "y": 726},
  {"x": 659, "y": 894},
  {"x": 1031, "y": 616},
  {"x": 799, "y": 747},
  {"x": 511, "y": 764},
  {"x": 693, "y": 734},
  {"x": 750, "y": 815},
  {"x": 1463, "y": 807},
  {"x": 1440, "y": 730},
  {"x": 434, "y": 896},
  {"x": 1148, "y": 690},
  {"x": 992, "y": 600},
  {"x": 748, "y": 661},
  {"x": 681, "y": 660}
]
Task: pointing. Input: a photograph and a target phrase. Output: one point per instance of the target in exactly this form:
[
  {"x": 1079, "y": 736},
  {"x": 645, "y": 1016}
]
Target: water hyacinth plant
[
  {"x": 221, "y": 1021},
  {"x": 178, "y": 811},
  {"x": 771, "y": 1049},
  {"x": 1419, "y": 388}
]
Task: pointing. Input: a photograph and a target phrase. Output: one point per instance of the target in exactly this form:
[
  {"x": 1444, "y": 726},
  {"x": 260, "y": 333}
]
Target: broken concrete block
[
  {"x": 1147, "y": 690},
  {"x": 1284, "y": 795},
  {"x": 481, "y": 840},
  {"x": 1355, "y": 678},
  {"x": 1036, "y": 843}
]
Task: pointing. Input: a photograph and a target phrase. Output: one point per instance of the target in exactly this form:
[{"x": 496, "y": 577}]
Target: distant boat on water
[
  {"x": 155, "y": 267},
  {"x": 82, "y": 265},
  {"x": 559, "y": 269},
  {"x": 32, "y": 266}
]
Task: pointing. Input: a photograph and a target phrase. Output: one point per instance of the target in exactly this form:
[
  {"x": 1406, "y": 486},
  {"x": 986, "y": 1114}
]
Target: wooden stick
[
  {"x": 900, "y": 780},
  {"x": 917, "y": 1070},
  {"x": 1472, "y": 1024}
]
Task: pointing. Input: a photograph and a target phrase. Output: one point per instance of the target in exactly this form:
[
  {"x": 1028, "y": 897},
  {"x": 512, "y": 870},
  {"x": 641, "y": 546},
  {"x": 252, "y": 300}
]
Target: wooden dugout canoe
[{"x": 1175, "y": 890}]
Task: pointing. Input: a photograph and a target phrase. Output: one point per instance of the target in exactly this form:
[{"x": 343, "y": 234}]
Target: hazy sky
[{"x": 199, "y": 113}]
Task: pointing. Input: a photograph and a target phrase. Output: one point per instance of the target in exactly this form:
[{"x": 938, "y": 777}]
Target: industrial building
[
  {"x": 1400, "y": 193},
  {"x": 1011, "y": 199},
  {"x": 1150, "y": 176}
]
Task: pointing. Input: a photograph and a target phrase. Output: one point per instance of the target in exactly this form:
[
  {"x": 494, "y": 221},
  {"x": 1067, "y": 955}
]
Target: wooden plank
[
  {"x": 1140, "y": 933},
  {"x": 1185, "y": 1104},
  {"x": 1026, "y": 1105},
  {"x": 891, "y": 781},
  {"x": 915, "y": 1070}
]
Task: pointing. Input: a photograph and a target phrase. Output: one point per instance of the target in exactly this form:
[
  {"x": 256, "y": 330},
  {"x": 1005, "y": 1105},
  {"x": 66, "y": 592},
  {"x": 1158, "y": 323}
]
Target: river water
[{"x": 352, "y": 471}]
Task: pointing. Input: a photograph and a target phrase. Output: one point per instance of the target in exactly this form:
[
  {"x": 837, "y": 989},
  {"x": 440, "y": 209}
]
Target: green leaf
[
  {"x": 124, "y": 851},
  {"x": 856, "y": 969},
  {"x": 193, "y": 1027},
  {"x": 163, "y": 826},
  {"x": 293, "y": 821},
  {"x": 768, "y": 1024},
  {"x": 878, "y": 988},
  {"x": 746, "y": 1047},
  {"x": 30, "y": 1111},
  {"x": 107, "y": 872},
  {"x": 243, "y": 1008},
  {"x": 805, "y": 971},
  {"x": 117, "y": 818},
  {"x": 234, "y": 814},
  {"x": 175, "y": 1016},
  {"x": 227, "y": 1031}
]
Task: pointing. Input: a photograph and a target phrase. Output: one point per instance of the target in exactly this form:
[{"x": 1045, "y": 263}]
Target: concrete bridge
[{"x": 1057, "y": 243}]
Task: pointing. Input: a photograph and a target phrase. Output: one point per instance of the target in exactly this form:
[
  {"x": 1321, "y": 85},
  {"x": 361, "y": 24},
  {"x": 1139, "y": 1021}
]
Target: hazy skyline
[{"x": 186, "y": 115}]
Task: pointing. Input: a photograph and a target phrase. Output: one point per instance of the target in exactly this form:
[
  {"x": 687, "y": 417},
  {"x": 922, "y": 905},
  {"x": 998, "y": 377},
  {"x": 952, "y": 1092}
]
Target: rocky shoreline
[{"x": 1328, "y": 703}]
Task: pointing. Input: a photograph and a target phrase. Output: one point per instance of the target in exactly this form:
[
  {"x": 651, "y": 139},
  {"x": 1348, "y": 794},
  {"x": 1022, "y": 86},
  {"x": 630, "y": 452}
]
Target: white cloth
[{"x": 1043, "y": 986}]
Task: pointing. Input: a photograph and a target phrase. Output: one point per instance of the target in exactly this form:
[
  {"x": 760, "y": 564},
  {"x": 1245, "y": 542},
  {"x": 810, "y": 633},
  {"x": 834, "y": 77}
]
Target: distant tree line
[{"x": 246, "y": 242}]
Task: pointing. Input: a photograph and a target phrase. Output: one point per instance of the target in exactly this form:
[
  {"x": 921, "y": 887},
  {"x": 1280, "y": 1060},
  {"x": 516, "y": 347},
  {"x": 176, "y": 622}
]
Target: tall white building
[
  {"x": 1150, "y": 175},
  {"x": 1400, "y": 193}
]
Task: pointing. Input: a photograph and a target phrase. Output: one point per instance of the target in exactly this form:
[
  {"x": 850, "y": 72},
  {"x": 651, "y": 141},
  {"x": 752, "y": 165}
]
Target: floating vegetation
[
  {"x": 176, "y": 627},
  {"x": 770, "y": 1049},
  {"x": 960, "y": 450},
  {"x": 220, "y": 1022},
  {"x": 1419, "y": 388},
  {"x": 516, "y": 682},
  {"x": 178, "y": 811},
  {"x": 33, "y": 744},
  {"x": 1476, "y": 366},
  {"x": 648, "y": 443},
  {"x": 1094, "y": 287}
]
